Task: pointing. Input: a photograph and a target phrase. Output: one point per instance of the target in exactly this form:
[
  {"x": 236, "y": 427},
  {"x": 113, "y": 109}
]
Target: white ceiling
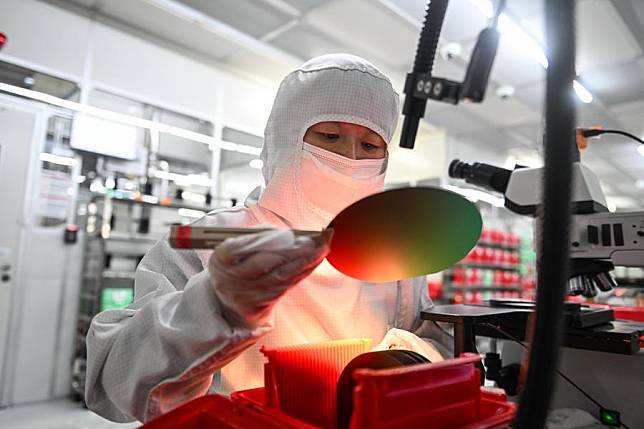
[{"x": 269, "y": 37}]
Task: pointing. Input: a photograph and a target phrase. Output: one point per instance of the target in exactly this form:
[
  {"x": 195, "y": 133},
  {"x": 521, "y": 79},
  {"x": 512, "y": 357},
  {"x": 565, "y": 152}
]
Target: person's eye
[
  {"x": 369, "y": 147},
  {"x": 329, "y": 137}
]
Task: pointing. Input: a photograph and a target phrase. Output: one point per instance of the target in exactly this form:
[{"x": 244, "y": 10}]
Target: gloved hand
[
  {"x": 249, "y": 273},
  {"x": 400, "y": 339}
]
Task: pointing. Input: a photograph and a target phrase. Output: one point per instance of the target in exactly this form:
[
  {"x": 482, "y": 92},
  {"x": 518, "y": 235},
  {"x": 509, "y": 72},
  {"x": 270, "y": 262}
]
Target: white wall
[
  {"x": 44, "y": 37},
  {"x": 423, "y": 162},
  {"x": 57, "y": 42},
  {"x": 470, "y": 152},
  {"x": 238, "y": 182}
]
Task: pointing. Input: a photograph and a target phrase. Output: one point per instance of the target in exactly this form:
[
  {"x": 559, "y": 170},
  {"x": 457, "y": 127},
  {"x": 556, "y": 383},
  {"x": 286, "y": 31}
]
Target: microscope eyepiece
[
  {"x": 483, "y": 175},
  {"x": 458, "y": 169}
]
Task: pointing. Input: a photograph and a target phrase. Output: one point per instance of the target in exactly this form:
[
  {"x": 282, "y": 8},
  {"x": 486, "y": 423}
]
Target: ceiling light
[
  {"x": 200, "y": 180},
  {"x": 514, "y": 32},
  {"x": 57, "y": 159},
  {"x": 582, "y": 93},
  {"x": 640, "y": 149},
  {"x": 475, "y": 195},
  {"x": 110, "y": 183},
  {"x": 194, "y": 197},
  {"x": 256, "y": 163},
  {"x": 526, "y": 43},
  {"x": 510, "y": 162},
  {"x": 129, "y": 119},
  {"x": 29, "y": 80},
  {"x": 195, "y": 214},
  {"x": 640, "y": 184},
  {"x": 183, "y": 179}
]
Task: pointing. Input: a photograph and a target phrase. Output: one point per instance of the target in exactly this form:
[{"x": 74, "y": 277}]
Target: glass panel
[
  {"x": 56, "y": 182},
  {"x": 239, "y": 173},
  {"x": 30, "y": 79}
]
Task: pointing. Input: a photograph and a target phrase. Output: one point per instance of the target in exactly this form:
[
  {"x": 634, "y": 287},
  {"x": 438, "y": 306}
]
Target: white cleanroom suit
[{"x": 190, "y": 330}]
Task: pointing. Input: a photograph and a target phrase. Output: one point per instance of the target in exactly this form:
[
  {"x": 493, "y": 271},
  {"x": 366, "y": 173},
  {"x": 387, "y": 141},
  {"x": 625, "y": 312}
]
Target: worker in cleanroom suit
[{"x": 199, "y": 317}]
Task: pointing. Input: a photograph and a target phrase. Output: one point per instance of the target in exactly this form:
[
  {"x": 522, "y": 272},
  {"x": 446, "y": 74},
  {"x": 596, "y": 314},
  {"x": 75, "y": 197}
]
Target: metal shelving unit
[
  {"x": 112, "y": 251},
  {"x": 488, "y": 283}
]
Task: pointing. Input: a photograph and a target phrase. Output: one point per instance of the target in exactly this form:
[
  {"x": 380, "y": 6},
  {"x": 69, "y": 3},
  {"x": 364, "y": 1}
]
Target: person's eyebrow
[
  {"x": 335, "y": 125},
  {"x": 375, "y": 135}
]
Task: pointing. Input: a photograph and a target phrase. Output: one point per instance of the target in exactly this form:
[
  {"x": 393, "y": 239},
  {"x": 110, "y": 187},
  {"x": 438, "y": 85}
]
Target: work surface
[
  {"x": 599, "y": 361},
  {"x": 620, "y": 336}
]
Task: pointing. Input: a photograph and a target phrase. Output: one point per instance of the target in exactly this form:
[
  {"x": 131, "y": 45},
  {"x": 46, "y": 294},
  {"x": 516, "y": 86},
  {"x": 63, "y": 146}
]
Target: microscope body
[{"x": 599, "y": 239}]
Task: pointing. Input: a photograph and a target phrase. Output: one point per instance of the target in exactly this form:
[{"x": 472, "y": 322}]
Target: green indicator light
[
  {"x": 609, "y": 417},
  {"x": 112, "y": 298}
]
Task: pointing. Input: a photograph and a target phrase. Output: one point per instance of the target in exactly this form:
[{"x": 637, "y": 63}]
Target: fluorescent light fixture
[
  {"x": 526, "y": 43},
  {"x": 620, "y": 202},
  {"x": 195, "y": 214},
  {"x": 256, "y": 163},
  {"x": 57, "y": 159},
  {"x": 104, "y": 137},
  {"x": 110, "y": 183},
  {"x": 129, "y": 120},
  {"x": 97, "y": 186},
  {"x": 510, "y": 162},
  {"x": 475, "y": 195},
  {"x": 640, "y": 149},
  {"x": 168, "y": 176},
  {"x": 513, "y": 31},
  {"x": 582, "y": 93},
  {"x": 194, "y": 197},
  {"x": 250, "y": 150},
  {"x": 190, "y": 179},
  {"x": 197, "y": 179}
]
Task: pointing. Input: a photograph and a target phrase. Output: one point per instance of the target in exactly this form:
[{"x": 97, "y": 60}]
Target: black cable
[
  {"x": 572, "y": 383},
  {"x": 592, "y": 132},
  {"x": 554, "y": 219}
]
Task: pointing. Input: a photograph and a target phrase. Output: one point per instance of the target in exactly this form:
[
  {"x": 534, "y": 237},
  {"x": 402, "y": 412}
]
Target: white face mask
[{"x": 331, "y": 182}]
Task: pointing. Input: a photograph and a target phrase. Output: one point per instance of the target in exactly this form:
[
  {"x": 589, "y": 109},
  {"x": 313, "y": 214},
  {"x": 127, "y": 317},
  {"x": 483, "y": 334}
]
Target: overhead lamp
[
  {"x": 129, "y": 119},
  {"x": 640, "y": 149},
  {"x": 256, "y": 163},
  {"x": 187, "y": 179},
  {"x": 475, "y": 195},
  {"x": 194, "y": 214},
  {"x": 582, "y": 93},
  {"x": 526, "y": 43},
  {"x": 57, "y": 159}
]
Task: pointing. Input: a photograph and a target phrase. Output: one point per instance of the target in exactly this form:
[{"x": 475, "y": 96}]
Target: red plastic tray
[
  {"x": 443, "y": 395},
  {"x": 629, "y": 313}
]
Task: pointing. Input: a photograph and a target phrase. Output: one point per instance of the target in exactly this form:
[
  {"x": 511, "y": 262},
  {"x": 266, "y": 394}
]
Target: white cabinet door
[{"x": 17, "y": 127}]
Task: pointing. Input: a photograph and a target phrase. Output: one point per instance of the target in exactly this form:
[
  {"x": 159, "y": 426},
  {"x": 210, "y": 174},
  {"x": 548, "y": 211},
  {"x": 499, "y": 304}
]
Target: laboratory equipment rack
[
  {"x": 493, "y": 269},
  {"x": 112, "y": 250}
]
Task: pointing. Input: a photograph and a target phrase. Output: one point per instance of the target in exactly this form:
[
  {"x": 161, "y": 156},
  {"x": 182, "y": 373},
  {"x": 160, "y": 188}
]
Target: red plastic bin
[
  {"x": 443, "y": 395},
  {"x": 629, "y": 313}
]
